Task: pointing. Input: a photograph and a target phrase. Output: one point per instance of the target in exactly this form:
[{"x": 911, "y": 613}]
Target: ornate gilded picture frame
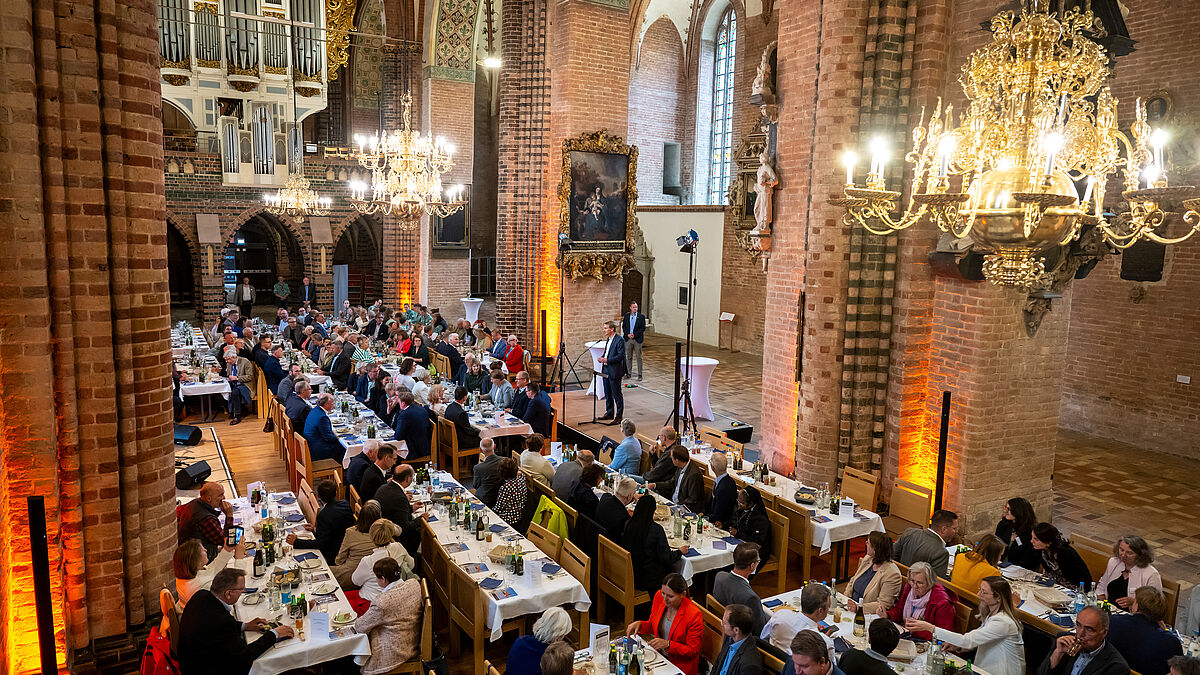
[{"x": 598, "y": 205}]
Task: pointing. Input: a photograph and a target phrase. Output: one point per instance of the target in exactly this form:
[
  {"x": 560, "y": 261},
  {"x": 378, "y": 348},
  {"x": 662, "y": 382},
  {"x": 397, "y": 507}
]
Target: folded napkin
[
  {"x": 431, "y": 519},
  {"x": 692, "y": 553},
  {"x": 497, "y": 528},
  {"x": 490, "y": 583},
  {"x": 550, "y": 568},
  {"x": 349, "y": 437},
  {"x": 1003, "y": 564},
  {"x": 772, "y": 603},
  {"x": 1045, "y": 581},
  {"x": 251, "y": 590},
  {"x": 1064, "y": 621},
  {"x": 822, "y": 519},
  {"x": 285, "y": 500},
  {"x": 306, "y": 556},
  {"x": 731, "y": 540},
  {"x": 294, "y": 517}
]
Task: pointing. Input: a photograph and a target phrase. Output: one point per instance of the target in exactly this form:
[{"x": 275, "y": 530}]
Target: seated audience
[
  {"x": 559, "y": 659},
  {"x": 456, "y": 412},
  {"x": 687, "y": 488},
  {"x": 420, "y": 389},
  {"x": 449, "y": 349},
  {"x": 999, "y": 648},
  {"x": 612, "y": 511},
  {"x": 360, "y": 462},
  {"x": 723, "y": 501},
  {"x": 651, "y": 555},
  {"x": 739, "y": 653},
  {"x": 1184, "y": 665},
  {"x": 971, "y": 567},
  {"x": 193, "y": 572},
  {"x": 923, "y": 597},
  {"x": 675, "y": 627},
  {"x": 751, "y": 523},
  {"x": 413, "y": 427},
  {"x": 476, "y": 378},
  {"x": 318, "y": 431},
  {"x": 537, "y": 411},
  {"x": 628, "y": 455},
  {"x": 1094, "y": 654},
  {"x": 486, "y": 474},
  {"x": 514, "y": 357},
  {"x": 383, "y": 533},
  {"x": 919, "y": 544},
  {"x": 815, "y": 601},
  {"x": 211, "y": 640},
  {"x": 533, "y": 461},
  {"x": 733, "y": 587},
  {"x": 501, "y": 392},
  {"x": 513, "y": 491},
  {"x": 393, "y": 621},
  {"x": 418, "y": 351},
  {"x": 1059, "y": 560},
  {"x": 333, "y": 517},
  {"x": 876, "y": 584},
  {"x": 396, "y": 506},
  {"x": 883, "y": 637},
  {"x": 356, "y": 545},
  {"x": 377, "y": 472},
  {"x": 1015, "y": 529},
  {"x": 1142, "y": 637},
  {"x": 810, "y": 657},
  {"x": 525, "y": 656},
  {"x": 1128, "y": 570},
  {"x": 297, "y": 408},
  {"x": 199, "y": 518},
  {"x": 583, "y": 498},
  {"x": 662, "y": 468},
  {"x": 567, "y": 473}
]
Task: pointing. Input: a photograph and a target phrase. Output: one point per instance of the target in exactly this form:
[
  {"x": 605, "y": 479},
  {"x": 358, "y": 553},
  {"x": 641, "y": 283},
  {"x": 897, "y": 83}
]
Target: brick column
[
  {"x": 447, "y": 278},
  {"x": 403, "y": 254},
  {"x": 85, "y": 402}
]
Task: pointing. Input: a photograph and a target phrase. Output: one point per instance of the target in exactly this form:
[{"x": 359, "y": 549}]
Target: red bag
[{"x": 157, "y": 660}]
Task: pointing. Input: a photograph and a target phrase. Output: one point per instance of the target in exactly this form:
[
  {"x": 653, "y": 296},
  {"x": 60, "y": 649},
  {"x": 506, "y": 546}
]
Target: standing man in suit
[
  {"x": 739, "y": 655},
  {"x": 318, "y": 431},
  {"x": 633, "y": 329},
  {"x": 612, "y": 513},
  {"x": 485, "y": 474},
  {"x": 537, "y": 412},
  {"x": 413, "y": 426},
  {"x": 929, "y": 544},
  {"x": 612, "y": 364},
  {"x": 339, "y": 365},
  {"x": 244, "y": 296},
  {"x": 306, "y": 295},
  {"x": 468, "y": 436},
  {"x": 724, "y": 493},
  {"x": 211, "y": 640},
  {"x": 688, "y": 487},
  {"x": 733, "y": 588}
]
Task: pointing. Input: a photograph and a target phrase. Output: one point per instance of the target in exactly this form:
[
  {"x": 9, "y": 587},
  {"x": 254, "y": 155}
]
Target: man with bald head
[
  {"x": 200, "y": 518},
  {"x": 566, "y": 477}
]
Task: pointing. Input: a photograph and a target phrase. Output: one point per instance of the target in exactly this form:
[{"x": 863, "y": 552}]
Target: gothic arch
[
  {"x": 187, "y": 235},
  {"x": 297, "y": 235}
]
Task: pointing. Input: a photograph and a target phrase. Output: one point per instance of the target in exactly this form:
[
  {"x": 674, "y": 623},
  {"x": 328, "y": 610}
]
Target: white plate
[
  {"x": 325, "y": 588},
  {"x": 252, "y": 599},
  {"x": 340, "y": 619},
  {"x": 309, "y": 563}
]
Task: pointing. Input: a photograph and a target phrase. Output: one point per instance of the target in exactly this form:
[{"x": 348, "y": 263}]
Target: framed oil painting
[{"x": 598, "y": 196}]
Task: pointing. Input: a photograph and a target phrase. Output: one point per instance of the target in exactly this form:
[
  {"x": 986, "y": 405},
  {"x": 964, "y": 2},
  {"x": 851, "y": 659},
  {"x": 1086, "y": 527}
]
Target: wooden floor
[{"x": 648, "y": 409}]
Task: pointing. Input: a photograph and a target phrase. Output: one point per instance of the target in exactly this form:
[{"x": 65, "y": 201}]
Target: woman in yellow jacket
[{"x": 971, "y": 567}]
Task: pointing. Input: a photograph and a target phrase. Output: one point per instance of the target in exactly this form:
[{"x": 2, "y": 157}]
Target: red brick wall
[
  {"x": 1119, "y": 381},
  {"x": 656, "y": 87}
]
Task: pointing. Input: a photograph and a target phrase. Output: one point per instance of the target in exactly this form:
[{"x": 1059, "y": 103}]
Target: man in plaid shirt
[{"x": 199, "y": 518}]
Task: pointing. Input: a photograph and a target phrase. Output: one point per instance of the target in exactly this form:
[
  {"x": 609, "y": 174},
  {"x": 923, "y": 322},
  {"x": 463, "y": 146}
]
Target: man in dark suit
[
  {"x": 293, "y": 332},
  {"x": 339, "y": 365},
  {"x": 612, "y": 513},
  {"x": 612, "y": 364},
  {"x": 295, "y": 374},
  {"x": 333, "y": 518},
  {"x": 883, "y": 637},
  {"x": 664, "y": 469},
  {"x": 468, "y": 436},
  {"x": 413, "y": 427},
  {"x": 485, "y": 474},
  {"x": 297, "y": 407},
  {"x": 360, "y": 462},
  {"x": 1095, "y": 652},
  {"x": 633, "y": 329},
  {"x": 364, "y": 386},
  {"x": 394, "y": 503},
  {"x": 537, "y": 412},
  {"x": 688, "y": 487},
  {"x": 273, "y": 369},
  {"x": 733, "y": 588},
  {"x": 724, "y": 494},
  {"x": 211, "y": 640},
  {"x": 376, "y": 474},
  {"x": 318, "y": 431},
  {"x": 929, "y": 544},
  {"x": 449, "y": 349},
  {"x": 739, "y": 655},
  {"x": 306, "y": 295}
]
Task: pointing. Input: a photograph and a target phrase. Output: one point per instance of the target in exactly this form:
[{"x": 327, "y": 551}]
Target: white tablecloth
[
  {"x": 293, "y": 653},
  {"x": 700, "y": 369},
  {"x": 597, "y": 350},
  {"x": 533, "y": 597},
  {"x": 659, "y": 665},
  {"x": 488, "y": 428},
  {"x": 353, "y": 440},
  {"x": 199, "y": 389},
  {"x": 471, "y": 307}
]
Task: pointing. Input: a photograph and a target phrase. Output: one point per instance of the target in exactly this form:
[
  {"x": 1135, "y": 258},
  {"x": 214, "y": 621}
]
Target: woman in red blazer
[
  {"x": 686, "y": 627},
  {"x": 922, "y": 597}
]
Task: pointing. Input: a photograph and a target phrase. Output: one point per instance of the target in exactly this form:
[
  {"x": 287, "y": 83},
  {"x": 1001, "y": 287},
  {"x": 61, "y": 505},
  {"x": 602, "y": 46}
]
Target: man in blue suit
[
  {"x": 537, "y": 412},
  {"x": 612, "y": 364},
  {"x": 273, "y": 371},
  {"x": 413, "y": 426},
  {"x": 724, "y": 492},
  {"x": 318, "y": 431},
  {"x": 633, "y": 329}
]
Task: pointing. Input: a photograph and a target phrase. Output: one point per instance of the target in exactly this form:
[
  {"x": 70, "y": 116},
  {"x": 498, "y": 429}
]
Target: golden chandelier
[
  {"x": 297, "y": 199},
  {"x": 406, "y": 175},
  {"x": 1041, "y": 122}
]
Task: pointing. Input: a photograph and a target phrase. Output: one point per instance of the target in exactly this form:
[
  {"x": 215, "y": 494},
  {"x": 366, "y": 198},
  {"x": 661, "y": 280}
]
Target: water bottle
[{"x": 1080, "y": 599}]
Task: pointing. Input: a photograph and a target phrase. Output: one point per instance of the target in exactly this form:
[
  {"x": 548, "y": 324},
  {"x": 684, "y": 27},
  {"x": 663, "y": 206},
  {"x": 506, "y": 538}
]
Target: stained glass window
[{"x": 721, "y": 162}]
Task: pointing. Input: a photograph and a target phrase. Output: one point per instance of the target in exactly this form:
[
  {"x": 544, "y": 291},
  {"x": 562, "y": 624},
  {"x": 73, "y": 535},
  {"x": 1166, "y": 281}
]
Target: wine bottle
[
  {"x": 260, "y": 567},
  {"x": 860, "y": 622}
]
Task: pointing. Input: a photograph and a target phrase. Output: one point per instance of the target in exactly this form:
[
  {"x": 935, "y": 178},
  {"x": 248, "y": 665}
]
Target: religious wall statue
[
  {"x": 764, "y": 212},
  {"x": 762, "y": 91}
]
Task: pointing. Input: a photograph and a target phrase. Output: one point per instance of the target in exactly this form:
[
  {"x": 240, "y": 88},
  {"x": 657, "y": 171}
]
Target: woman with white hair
[
  {"x": 627, "y": 458},
  {"x": 526, "y": 654},
  {"x": 925, "y": 599}
]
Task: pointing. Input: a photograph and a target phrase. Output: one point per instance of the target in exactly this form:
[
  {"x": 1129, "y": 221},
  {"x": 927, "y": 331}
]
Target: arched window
[{"x": 721, "y": 144}]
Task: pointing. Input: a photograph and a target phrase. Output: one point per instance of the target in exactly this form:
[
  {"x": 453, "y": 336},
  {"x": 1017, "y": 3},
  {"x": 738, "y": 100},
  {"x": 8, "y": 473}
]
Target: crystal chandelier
[
  {"x": 1040, "y": 123},
  {"x": 297, "y": 199},
  {"x": 405, "y": 175}
]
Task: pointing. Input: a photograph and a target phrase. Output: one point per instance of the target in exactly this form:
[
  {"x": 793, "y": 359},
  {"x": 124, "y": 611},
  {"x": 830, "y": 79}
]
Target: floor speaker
[
  {"x": 186, "y": 434},
  {"x": 190, "y": 476}
]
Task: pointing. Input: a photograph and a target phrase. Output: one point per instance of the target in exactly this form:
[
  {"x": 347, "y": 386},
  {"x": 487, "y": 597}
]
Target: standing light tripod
[{"x": 683, "y": 396}]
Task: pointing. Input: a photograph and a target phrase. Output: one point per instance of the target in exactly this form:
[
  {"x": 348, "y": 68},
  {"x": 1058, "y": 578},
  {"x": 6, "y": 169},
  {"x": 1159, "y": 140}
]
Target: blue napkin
[
  {"x": 431, "y": 519},
  {"x": 719, "y": 545},
  {"x": 1004, "y": 564},
  {"x": 772, "y": 603},
  {"x": 1045, "y": 581},
  {"x": 497, "y": 528},
  {"x": 1064, "y": 621},
  {"x": 550, "y": 569},
  {"x": 490, "y": 583},
  {"x": 286, "y": 500},
  {"x": 251, "y": 590},
  {"x": 349, "y": 437},
  {"x": 294, "y": 517},
  {"x": 731, "y": 540},
  {"x": 692, "y": 553},
  {"x": 306, "y": 556}
]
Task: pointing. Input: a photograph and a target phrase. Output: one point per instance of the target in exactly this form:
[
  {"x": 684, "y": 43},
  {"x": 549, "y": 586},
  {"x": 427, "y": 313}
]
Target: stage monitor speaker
[
  {"x": 741, "y": 433},
  {"x": 190, "y": 476},
  {"x": 186, "y": 434}
]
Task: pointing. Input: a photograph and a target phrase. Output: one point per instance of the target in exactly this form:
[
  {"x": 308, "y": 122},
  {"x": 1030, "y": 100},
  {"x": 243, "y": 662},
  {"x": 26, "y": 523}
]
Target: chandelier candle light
[
  {"x": 406, "y": 171},
  {"x": 1040, "y": 120},
  {"x": 297, "y": 199}
]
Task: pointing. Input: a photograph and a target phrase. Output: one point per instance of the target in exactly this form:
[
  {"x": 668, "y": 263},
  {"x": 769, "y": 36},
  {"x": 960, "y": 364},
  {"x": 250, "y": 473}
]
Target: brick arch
[
  {"x": 711, "y": 10},
  {"x": 301, "y": 234},
  {"x": 192, "y": 239},
  {"x": 339, "y": 228}
]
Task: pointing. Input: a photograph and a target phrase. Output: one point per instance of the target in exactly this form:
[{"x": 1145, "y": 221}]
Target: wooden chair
[
  {"x": 449, "y": 449},
  {"x": 710, "y": 435},
  {"x": 169, "y": 628},
  {"x": 713, "y": 605},
  {"x": 553, "y": 425},
  {"x": 425, "y": 652},
  {"x": 467, "y": 608},
  {"x": 544, "y": 539},
  {"x": 647, "y": 444},
  {"x": 354, "y": 499},
  {"x": 910, "y": 506},
  {"x": 615, "y": 578},
  {"x": 310, "y": 471},
  {"x": 277, "y": 434},
  {"x": 437, "y": 565},
  {"x": 799, "y": 534},
  {"x": 308, "y": 503},
  {"x": 579, "y": 565},
  {"x": 772, "y": 665},
  {"x": 296, "y": 467},
  {"x": 1171, "y": 594},
  {"x": 1094, "y": 552},
  {"x": 861, "y": 486},
  {"x": 712, "y": 636},
  {"x": 965, "y": 618},
  {"x": 285, "y": 430},
  {"x": 779, "y": 556}
]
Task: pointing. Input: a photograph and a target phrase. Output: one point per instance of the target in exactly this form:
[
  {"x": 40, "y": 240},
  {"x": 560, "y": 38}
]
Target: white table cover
[
  {"x": 700, "y": 369},
  {"x": 201, "y": 388},
  {"x": 471, "y": 307}
]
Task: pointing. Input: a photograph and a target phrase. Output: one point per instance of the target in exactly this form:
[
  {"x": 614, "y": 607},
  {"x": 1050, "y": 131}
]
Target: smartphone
[{"x": 233, "y": 536}]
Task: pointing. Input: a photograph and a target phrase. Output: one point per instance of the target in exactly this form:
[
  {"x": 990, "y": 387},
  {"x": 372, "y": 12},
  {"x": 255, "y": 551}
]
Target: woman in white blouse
[
  {"x": 383, "y": 533},
  {"x": 998, "y": 644},
  {"x": 191, "y": 574}
]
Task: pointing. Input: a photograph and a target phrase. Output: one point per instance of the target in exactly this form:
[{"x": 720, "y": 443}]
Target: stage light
[{"x": 687, "y": 242}]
